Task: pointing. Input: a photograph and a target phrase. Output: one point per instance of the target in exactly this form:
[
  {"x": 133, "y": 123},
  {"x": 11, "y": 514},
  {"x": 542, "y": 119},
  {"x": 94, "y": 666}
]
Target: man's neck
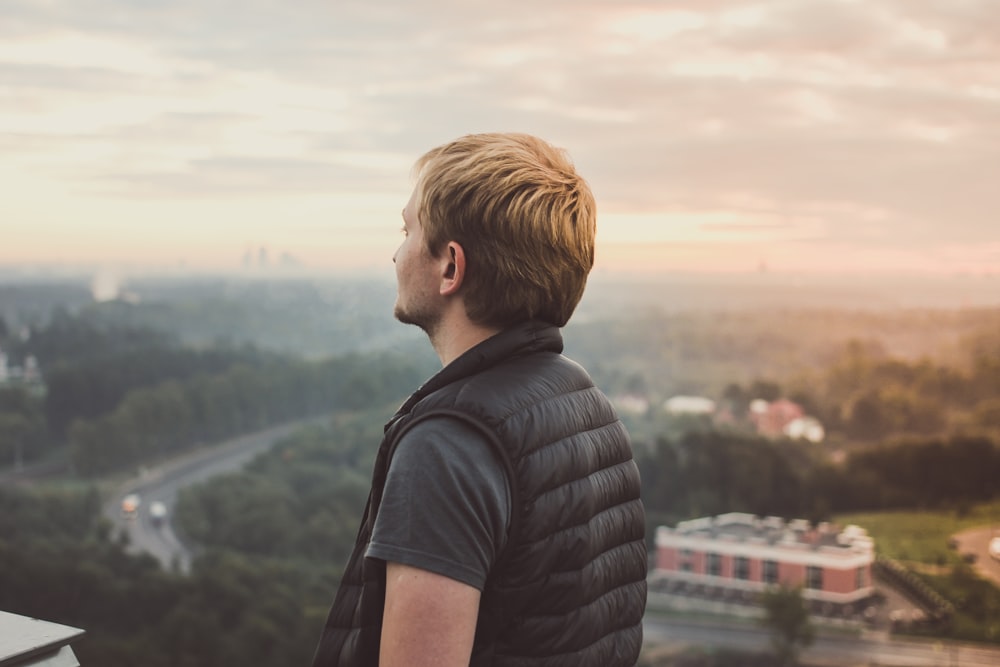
[{"x": 456, "y": 335}]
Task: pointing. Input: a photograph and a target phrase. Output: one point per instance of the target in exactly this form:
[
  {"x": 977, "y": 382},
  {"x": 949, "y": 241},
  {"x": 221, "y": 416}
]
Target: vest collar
[{"x": 524, "y": 338}]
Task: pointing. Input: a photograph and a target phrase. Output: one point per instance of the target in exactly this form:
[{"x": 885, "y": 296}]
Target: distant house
[
  {"x": 631, "y": 404},
  {"x": 689, "y": 405},
  {"x": 738, "y": 553},
  {"x": 771, "y": 418},
  {"x": 29, "y": 373}
]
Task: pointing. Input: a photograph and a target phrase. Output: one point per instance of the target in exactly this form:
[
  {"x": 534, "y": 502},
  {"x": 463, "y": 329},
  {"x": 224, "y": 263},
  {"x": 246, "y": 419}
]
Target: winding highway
[{"x": 163, "y": 482}]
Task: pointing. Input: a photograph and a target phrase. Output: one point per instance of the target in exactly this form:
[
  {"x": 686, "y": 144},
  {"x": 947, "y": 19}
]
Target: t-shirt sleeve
[{"x": 446, "y": 503}]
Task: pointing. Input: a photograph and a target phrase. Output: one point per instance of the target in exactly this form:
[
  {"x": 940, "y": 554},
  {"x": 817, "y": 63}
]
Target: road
[
  {"x": 828, "y": 649},
  {"x": 162, "y": 483},
  {"x": 976, "y": 541}
]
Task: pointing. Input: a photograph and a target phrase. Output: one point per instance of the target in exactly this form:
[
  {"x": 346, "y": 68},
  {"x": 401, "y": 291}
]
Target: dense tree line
[
  {"x": 914, "y": 474},
  {"x": 153, "y": 422},
  {"x": 303, "y": 499},
  {"x": 707, "y": 473},
  {"x": 23, "y": 304},
  {"x": 868, "y": 395},
  {"x": 24, "y": 434},
  {"x": 87, "y": 371},
  {"x": 67, "y": 338},
  {"x": 95, "y": 385}
]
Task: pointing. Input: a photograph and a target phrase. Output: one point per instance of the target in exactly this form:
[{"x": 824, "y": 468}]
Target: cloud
[
  {"x": 247, "y": 177},
  {"x": 870, "y": 123}
]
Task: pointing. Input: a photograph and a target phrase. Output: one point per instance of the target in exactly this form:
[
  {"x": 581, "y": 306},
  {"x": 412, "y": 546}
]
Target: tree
[
  {"x": 786, "y": 616},
  {"x": 736, "y": 400},
  {"x": 764, "y": 389}
]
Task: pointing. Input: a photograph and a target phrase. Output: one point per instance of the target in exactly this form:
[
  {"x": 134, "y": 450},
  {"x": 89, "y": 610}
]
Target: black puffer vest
[{"x": 569, "y": 590}]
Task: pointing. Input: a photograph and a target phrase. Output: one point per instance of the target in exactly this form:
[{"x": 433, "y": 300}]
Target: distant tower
[
  {"x": 4, "y": 371},
  {"x": 262, "y": 258}
]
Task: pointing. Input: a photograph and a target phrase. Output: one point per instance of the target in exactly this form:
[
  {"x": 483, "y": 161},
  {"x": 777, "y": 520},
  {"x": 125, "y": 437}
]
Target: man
[{"x": 504, "y": 525}]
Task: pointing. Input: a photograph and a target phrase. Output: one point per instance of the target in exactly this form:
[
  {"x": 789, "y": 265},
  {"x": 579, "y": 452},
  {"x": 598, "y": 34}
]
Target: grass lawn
[
  {"x": 921, "y": 536},
  {"x": 920, "y": 540}
]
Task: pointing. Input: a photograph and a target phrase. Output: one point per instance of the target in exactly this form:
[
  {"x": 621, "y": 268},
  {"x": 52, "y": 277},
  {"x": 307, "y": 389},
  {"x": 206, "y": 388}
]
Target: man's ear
[{"x": 453, "y": 271}]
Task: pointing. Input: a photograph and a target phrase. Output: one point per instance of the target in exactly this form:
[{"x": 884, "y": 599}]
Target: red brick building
[{"x": 742, "y": 553}]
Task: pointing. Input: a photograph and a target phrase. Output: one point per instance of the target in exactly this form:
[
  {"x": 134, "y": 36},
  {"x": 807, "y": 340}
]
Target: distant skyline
[{"x": 798, "y": 136}]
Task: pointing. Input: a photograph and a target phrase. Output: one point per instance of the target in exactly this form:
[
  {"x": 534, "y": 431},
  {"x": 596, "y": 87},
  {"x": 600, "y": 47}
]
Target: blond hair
[{"x": 524, "y": 218}]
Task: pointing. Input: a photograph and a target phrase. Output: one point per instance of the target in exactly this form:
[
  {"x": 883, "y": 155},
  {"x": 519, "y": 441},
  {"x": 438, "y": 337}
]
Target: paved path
[{"x": 976, "y": 541}]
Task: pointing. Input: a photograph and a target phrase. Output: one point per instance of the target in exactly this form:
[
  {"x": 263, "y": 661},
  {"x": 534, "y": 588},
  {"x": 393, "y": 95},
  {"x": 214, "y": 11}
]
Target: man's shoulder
[{"x": 529, "y": 373}]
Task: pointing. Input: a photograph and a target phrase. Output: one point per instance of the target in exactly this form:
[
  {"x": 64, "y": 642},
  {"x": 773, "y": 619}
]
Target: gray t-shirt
[{"x": 446, "y": 503}]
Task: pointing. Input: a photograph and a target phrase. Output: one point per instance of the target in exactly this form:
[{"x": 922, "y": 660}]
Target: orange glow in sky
[{"x": 820, "y": 135}]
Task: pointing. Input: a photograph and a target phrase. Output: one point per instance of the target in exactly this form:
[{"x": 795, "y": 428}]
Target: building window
[
  {"x": 861, "y": 580},
  {"x": 741, "y": 567},
  {"x": 685, "y": 560},
  {"x": 713, "y": 564},
  {"x": 814, "y": 577},
  {"x": 770, "y": 572}
]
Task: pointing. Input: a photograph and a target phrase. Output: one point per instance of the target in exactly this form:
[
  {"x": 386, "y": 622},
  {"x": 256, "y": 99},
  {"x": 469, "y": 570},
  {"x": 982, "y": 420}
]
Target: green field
[
  {"x": 920, "y": 541},
  {"x": 922, "y": 536}
]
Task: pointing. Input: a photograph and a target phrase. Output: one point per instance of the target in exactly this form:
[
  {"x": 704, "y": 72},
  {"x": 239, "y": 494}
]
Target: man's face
[{"x": 418, "y": 300}]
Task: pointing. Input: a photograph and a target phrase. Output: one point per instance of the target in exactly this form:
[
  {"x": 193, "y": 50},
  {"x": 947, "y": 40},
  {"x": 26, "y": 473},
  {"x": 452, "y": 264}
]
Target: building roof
[
  {"x": 28, "y": 641},
  {"x": 698, "y": 405},
  {"x": 775, "y": 531}
]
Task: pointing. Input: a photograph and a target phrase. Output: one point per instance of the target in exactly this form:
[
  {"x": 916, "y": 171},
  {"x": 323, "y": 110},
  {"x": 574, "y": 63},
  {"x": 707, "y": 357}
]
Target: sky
[{"x": 850, "y": 136}]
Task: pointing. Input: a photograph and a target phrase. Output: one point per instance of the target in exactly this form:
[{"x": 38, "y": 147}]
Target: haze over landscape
[
  {"x": 795, "y": 307},
  {"x": 724, "y": 135}
]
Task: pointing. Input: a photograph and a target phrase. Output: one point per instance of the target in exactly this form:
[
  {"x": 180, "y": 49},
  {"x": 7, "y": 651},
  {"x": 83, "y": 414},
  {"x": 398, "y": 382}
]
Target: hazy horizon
[{"x": 606, "y": 288}]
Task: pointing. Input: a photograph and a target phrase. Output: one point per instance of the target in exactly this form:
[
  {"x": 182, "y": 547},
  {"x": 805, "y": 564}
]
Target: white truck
[{"x": 158, "y": 513}]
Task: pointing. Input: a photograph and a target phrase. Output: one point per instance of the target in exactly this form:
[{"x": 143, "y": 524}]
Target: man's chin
[
  {"x": 405, "y": 317},
  {"x": 424, "y": 323}
]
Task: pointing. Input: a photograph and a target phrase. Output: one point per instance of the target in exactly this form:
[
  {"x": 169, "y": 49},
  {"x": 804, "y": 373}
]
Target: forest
[{"x": 910, "y": 400}]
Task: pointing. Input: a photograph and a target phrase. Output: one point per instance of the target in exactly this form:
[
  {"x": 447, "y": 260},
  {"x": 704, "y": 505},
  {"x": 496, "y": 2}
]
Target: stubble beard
[{"x": 427, "y": 319}]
